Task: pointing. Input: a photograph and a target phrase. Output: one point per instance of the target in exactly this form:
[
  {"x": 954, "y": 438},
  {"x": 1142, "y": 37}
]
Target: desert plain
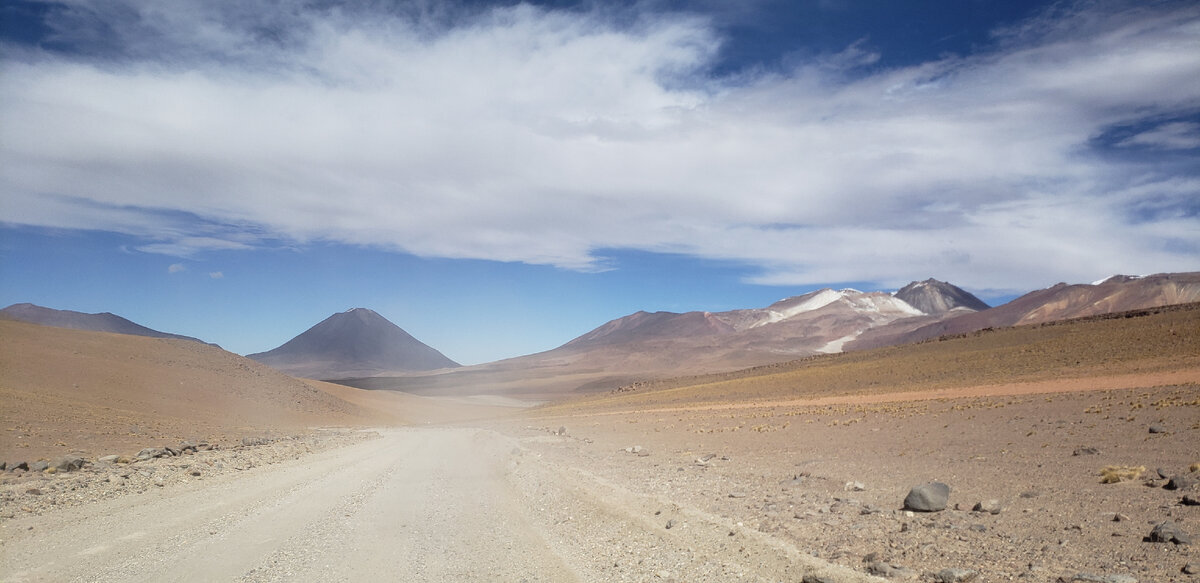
[{"x": 790, "y": 472}]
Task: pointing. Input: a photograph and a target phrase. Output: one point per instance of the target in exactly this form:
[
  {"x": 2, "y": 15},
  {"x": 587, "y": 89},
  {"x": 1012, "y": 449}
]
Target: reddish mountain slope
[{"x": 1060, "y": 302}]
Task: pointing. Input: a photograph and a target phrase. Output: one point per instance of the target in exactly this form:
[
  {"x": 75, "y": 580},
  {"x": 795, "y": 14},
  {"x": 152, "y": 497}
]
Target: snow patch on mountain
[
  {"x": 837, "y": 344},
  {"x": 876, "y": 302}
]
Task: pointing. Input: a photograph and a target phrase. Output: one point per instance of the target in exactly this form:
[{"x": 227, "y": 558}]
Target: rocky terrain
[
  {"x": 34, "y": 487},
  {"x": 1026, "y": 497}
]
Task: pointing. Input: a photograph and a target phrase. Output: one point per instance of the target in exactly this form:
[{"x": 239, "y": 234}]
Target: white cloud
[
  {"x": 1169, "y": 136},
  {"x": 175, "y": 268},
  {"x": 530, "y": 135},
  {"x": 216, "y": 275}
]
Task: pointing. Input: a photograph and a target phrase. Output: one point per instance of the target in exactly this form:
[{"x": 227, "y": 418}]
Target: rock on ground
[{"x": 931, "y": 497}]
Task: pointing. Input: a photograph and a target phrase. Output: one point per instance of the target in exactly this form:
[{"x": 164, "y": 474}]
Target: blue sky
[{"x": 498, "y": 178}]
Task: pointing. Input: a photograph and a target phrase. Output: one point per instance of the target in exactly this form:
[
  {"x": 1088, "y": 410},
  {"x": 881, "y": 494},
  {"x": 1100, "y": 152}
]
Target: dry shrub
[
  {"x": 1114, "y": 474},
  {"x": 1194, "y": 467}
]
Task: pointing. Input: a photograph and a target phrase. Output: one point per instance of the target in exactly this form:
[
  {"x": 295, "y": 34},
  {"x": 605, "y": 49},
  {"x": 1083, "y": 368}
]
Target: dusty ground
[
  {"x": 787, "y": 470},
  {"x": 418, "y": 504}
]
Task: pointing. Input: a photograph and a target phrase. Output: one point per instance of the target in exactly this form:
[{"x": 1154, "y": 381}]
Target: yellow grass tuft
[
  {"x": 1114, "y": 474},
  {"x": 1194, "y": 467}
]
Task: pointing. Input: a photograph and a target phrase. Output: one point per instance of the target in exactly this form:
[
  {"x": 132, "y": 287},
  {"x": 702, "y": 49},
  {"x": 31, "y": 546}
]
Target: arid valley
[
  {"x": 591, "y": 291},
  {"x": 172, "y": 460}
]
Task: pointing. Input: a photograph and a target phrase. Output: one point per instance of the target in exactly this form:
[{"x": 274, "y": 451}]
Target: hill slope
[
  {"x": 103, "y": 322},
  {"x": 92, "y": 389},
  {"x": 1156, "y": 340},
  {"x": 354, "y": 343}
]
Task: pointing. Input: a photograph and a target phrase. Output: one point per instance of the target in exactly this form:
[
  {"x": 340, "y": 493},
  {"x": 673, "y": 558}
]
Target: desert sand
[{"x": 776, "y": 474}]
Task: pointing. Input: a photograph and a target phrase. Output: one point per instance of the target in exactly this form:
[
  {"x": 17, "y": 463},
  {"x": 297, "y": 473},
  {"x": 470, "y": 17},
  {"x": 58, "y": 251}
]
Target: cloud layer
[{"x": 541, "y": 136}]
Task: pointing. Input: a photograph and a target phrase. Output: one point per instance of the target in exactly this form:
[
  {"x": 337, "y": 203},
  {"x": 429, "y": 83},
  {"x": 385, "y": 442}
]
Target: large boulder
[{"x": 931, "y": 497}]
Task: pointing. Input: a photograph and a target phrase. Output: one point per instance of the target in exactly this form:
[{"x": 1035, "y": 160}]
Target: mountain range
[
  {"x": 646, "y": 345},
  {"x": 361, "y": 348}
]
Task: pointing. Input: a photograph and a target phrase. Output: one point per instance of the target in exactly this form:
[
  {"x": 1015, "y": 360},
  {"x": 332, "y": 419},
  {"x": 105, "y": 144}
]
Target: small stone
[
  {"x": 1118, "y": 517},
  {"x": 1168, "y": 532},
  {"x": 792, "y": 482},
  {"x": 990, "y": 506},
  {"x": 1086, "y": 451},
  {"x": 931, "y": 497},
  {"x": 562, "y": 430},
  {"x": 737, "y": 494},
  {"x": 39, "y": 466},
  {"x": 14, "y": 466},
  {"x": 854, "y": 487},
  {"x": 1190, "y": 500},
  {"x": 810, "y": 578},
  {"x": 34, "y": 491},
  {"x": 109, "y": 459},
  {"x": 1090, "y": 578},
  {"x": 1157, "y": 429},
  {"x": 955, "y": 575},
  {"x": 1191, "y": 569},
  {"x": 150, "y": 453},
  {"x": 670, "y": 524},
  {"x": 68, "y": 463},
  {"x": 891, "y": 571}
]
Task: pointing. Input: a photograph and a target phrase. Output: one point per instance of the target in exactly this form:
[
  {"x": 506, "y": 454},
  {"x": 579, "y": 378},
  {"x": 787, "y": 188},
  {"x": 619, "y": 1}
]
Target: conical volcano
[{"x": 351, "y": 344}]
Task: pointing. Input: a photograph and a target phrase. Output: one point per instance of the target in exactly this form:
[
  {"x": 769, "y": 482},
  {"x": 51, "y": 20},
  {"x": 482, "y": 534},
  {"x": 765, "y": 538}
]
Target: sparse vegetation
[{"x": 1114, "y": 474}]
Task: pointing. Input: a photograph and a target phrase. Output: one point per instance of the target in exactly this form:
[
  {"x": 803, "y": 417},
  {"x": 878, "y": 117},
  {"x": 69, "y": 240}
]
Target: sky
[{"x": 498, "y": 178}]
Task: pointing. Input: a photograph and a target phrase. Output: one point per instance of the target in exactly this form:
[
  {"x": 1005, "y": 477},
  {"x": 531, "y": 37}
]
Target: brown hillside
[
  {"x": 96, "y": 393},
  {"x": 1161, "y": 340}
]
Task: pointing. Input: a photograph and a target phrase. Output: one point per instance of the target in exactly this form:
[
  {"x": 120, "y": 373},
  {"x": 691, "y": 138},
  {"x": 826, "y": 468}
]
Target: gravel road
[{"x": 424, "y": 504}]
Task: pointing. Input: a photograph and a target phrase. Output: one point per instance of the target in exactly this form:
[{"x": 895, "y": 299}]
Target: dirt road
[{"x": 428, "y": 504}]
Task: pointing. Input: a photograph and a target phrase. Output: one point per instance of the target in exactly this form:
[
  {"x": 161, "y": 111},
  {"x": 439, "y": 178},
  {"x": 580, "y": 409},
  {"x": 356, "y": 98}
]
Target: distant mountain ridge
[
  {"x": 1062, "y": 301},
  {"x": 102, "y": 322},
  {"x": 804, "y": 323},
  {"x": 653, "y": 345},
  {"x": 355, "y": 343}
]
